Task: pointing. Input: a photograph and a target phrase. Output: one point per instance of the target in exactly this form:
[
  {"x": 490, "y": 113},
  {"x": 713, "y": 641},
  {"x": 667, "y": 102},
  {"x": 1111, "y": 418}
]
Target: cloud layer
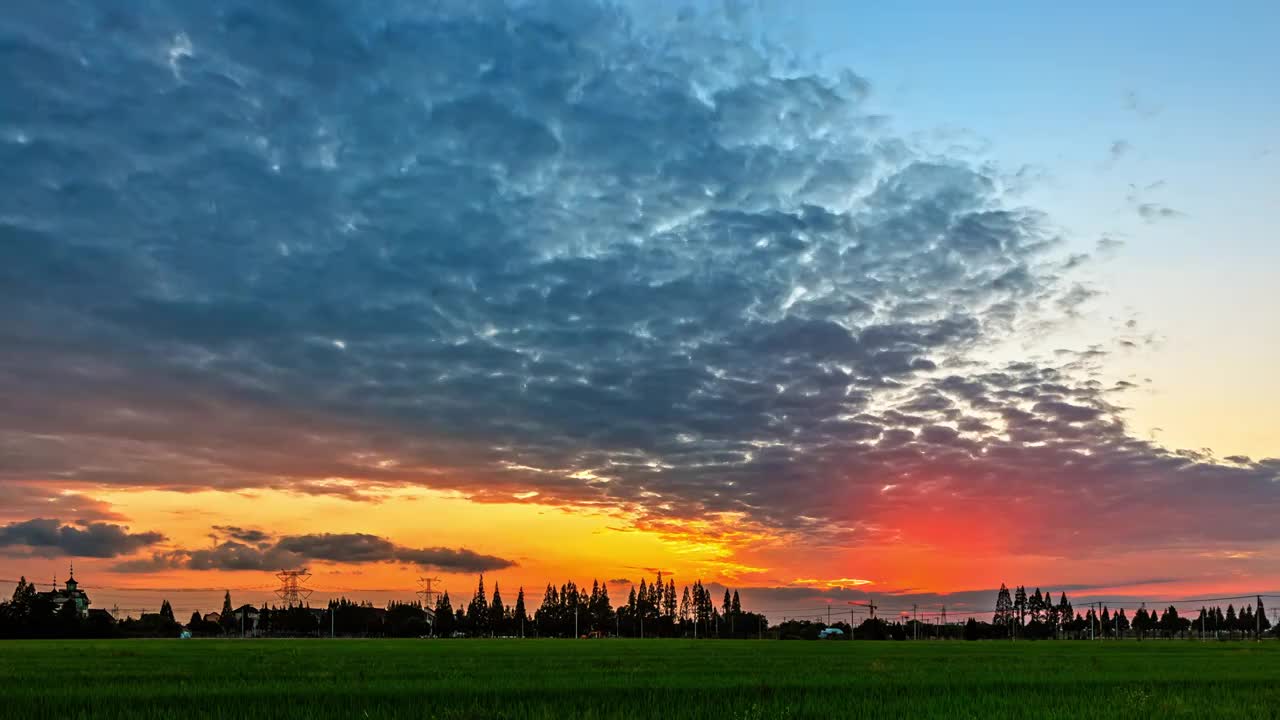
[
  {"x": 238, "y": 549},
  {"x": 540, "y": 251},
  {"x": 43, "y": 536}
]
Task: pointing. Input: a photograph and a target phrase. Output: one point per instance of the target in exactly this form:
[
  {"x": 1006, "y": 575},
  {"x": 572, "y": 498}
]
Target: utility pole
[
  {"x": 332, "y": 623},
  {"x": 575, "y": 621},
  {"x": 944, "y": 620},
  {"x": 915, "y": 624},
  {"x": 828, "y": 614}
]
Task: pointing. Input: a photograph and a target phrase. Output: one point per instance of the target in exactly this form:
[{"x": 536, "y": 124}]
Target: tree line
[
  {"x": 653, "y": 609},
  {"x": 1036, "y": 616}
]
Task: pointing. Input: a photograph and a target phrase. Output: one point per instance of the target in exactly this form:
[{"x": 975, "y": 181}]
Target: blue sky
[{"x": 1186, "y": 95}]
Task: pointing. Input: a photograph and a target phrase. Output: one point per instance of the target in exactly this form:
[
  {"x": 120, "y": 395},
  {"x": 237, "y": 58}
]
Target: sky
[{"x": 811, "y": 300}]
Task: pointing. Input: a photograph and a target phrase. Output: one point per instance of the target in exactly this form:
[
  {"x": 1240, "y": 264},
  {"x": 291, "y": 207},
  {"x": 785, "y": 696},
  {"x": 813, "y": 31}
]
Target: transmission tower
[
  {"x": 291, "y": 590},
  {"x": 428, "y": 594}
]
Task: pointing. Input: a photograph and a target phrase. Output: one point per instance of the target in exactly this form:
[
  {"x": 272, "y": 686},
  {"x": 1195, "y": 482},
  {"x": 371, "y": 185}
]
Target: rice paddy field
[{"x": 668, "y": 679}]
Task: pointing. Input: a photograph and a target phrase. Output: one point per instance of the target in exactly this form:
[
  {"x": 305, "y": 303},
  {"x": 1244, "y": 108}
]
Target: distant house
[
  {"x": 246, "y": 616},
  {"x": 101, "y": 616},
  {"x": 70, "y": 594},
  {"x": 831, "y": 634}
]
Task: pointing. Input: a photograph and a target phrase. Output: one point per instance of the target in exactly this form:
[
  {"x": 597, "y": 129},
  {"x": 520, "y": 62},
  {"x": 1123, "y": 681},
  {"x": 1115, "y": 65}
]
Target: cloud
[
  {"x": 1152, "y": 212},
  {"x": 42, "y": 536},
  {"x": 1107, "y": 244},
  {"x": 1118, "y": 150},
  {"x": 241, "y": 534},
  {"x": 452, "y": 560},
  {"x": 1135, "y": 102},
  {"x": 19, "y": 501},
  {"x": 529, "y": 248},
  {"x": 297, "y": 550}
]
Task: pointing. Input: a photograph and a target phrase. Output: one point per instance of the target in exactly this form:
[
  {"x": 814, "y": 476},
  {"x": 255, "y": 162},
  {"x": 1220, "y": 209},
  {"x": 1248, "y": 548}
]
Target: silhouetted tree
[
  {"x": 227, "y": 618},
  {"x": 1004, "y": 610},
  {"x": 497, "y": 614},
  {"x": 520, "y": 616},
  {"x": 1020, "y": 605},
  {"x": 445, "y": 622},
  {"x": 478, "y": 612}
]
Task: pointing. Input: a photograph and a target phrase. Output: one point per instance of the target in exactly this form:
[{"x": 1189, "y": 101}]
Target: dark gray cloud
[
  {"x": 452, "y": 560},
  {"x": 235, "y": 553},
  {"x": 247, "y": 535},
  {"x": 43, "y": 536},
  {"x": 529, "y": 249}
]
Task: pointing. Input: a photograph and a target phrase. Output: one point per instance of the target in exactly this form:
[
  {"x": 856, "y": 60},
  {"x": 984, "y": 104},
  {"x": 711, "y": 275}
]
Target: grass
[{"x": 672, "y": 679}]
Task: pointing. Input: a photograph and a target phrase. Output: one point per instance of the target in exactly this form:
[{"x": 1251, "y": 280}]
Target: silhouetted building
[
  {"x": 246, "y": 617},
  {"x": 101, "y": 617},
  {"x": 71, "y": 593}
]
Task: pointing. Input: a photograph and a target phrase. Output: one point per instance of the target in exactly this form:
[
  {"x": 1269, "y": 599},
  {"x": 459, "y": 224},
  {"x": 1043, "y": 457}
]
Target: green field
[{"x": 669, "y": 679}]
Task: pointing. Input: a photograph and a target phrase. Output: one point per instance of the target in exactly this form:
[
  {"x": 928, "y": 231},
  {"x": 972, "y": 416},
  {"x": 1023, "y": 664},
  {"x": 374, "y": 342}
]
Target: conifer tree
[
  {"x": 669, "y": 602},
  {"x": 1004, "y": 608},
  {"x": 686, "y": 610},
  {"x": 497, "y": 614},
  {"x": 478, "y": 611},
  {"x": 1020, "y": 605},
  {"x": 444, "y": 624},
  {"x": 226, "y": 618},
  {"x": 545, "y": 616},
  {"x": 1245, "y": 621},
  {"x": 602, "y": 611},
  {"x": 520, "y": 616}
]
